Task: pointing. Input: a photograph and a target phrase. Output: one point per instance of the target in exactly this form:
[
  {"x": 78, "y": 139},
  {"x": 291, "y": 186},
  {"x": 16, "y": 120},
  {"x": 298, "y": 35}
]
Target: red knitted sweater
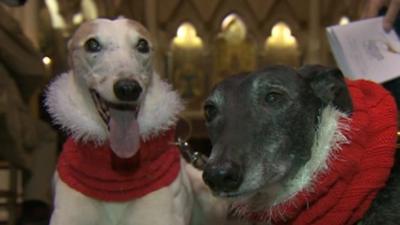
[
  {"x": 344, "y": 192},
  {"x": 98, "y": 173}
]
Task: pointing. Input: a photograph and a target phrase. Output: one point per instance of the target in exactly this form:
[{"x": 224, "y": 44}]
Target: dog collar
[
  {"x": 96, "y": 172},
  {"x": 197, "y": 159},
  {"x": 343, "y": 193}
]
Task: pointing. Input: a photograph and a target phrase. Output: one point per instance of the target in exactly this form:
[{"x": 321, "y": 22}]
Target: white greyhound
[{"x": 119, "y": 166}]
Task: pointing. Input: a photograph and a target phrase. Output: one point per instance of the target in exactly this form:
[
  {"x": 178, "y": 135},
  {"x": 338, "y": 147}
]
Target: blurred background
[{"x": 198, "y": 43}]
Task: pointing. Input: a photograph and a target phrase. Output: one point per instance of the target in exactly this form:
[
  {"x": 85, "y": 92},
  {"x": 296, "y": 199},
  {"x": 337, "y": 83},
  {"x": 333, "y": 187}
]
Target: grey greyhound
[{"x": 303, "y": 146}]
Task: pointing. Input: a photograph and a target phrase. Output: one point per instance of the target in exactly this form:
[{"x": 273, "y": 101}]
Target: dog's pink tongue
[{"x": 124, "y": 133}]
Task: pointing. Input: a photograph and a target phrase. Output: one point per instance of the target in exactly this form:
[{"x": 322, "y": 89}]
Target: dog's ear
[{"x": 328, "y": 85}]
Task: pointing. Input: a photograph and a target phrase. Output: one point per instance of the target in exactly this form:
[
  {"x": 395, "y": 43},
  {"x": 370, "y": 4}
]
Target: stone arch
[
  {"x": 185, "y": 12},
  {"x": 234, "y": 50},
  {"x": 186, "y": 34},
  {"x": 185, "y": 65},
  {"x": 285, "y": 26},
  {"x": 234, "y": 7},
  {"x": 281, "y": 46},
  {"x": 289, "y": 18}
]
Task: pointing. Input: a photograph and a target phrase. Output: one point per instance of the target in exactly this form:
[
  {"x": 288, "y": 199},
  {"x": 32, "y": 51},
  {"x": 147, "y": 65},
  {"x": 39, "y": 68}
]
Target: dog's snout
[
  {"x": 127, "y": 90},
  {"x": 225, "y": 177}
]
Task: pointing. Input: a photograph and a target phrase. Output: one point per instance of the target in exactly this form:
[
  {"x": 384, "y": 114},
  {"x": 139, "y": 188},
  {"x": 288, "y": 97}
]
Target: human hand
[{"x": 373, "y": 6}]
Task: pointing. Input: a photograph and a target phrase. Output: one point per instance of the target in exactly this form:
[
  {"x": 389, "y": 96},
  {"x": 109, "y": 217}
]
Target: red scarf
[
  {"x": 98, "y": 173},
  {"x": 343, "y": 194}
]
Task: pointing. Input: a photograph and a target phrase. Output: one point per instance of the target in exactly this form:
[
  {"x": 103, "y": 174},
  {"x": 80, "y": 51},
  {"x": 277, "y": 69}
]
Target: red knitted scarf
[
  {"x": 98, "y": 173},
  {"x": 344, "y": 192}
]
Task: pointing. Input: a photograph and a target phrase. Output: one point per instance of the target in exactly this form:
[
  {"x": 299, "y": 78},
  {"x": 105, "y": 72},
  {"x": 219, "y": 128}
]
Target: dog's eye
[
  {"x": 92, "y": 45},
  {"x": 272, "y": 97},
  {"x": 143, "y": 46},
  {"x": 210, "y": 111}
]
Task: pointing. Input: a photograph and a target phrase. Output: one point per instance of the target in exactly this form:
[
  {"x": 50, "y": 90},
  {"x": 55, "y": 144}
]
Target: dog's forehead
[
  {"x": 273, "y": 75},
  {"x": 224, "y": 87},
  {"x": 139, "y": 28},
  {"x": 282, "y": 77},
  {"x": 84, "y": 31},
  {"x": 132, "y": 28},
  {"x": 276, "y": 74},
  {"x": 110, "y": 30}
]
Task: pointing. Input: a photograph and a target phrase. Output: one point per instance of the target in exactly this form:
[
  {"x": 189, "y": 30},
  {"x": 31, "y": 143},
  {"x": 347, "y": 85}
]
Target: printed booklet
[{"x": 363, "y": 50}]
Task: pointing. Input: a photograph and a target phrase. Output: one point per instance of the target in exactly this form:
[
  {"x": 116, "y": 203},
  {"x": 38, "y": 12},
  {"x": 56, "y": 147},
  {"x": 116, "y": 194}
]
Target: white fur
[
  {"x": 160, "y": 109},
  {"x": 72, "y": 107},
  {"x": 170, "y": 205},
  {"x": 327, "y": 143}
]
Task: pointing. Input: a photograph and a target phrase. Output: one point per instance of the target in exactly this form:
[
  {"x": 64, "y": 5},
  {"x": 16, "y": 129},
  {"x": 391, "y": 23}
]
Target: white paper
[{"x": 363, "y": 50}]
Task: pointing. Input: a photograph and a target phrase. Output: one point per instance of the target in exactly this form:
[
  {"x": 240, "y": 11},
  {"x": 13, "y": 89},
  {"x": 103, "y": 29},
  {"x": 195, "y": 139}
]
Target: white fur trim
[
  {"x": 160, "y": 109},
  {"x": 71, "y": 106},
  {"x": 327, "y": 143}
]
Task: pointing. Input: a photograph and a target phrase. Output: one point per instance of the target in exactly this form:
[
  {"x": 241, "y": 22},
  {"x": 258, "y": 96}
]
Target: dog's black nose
[
  {"x": 127, "y": 90},
  {"x": 226, "y": 176}
]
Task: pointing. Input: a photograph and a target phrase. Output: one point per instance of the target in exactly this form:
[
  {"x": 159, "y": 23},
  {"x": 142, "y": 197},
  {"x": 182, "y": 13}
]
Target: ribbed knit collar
[{"x": 97, "y": 172}]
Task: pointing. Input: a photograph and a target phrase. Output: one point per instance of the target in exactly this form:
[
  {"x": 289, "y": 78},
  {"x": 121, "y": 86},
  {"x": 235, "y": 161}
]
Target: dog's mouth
[
  {"x": 270, "y": 189},
  {"x": 234, "y": 195},
  {"x": 122, "y": 124}
]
